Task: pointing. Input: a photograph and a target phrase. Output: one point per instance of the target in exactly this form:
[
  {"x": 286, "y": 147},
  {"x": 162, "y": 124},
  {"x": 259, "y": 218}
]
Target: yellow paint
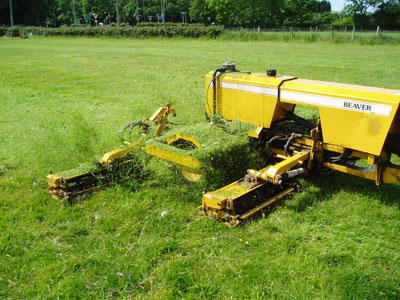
[
  {"x": 356, "y": 130},
  {"x": 180, "y": 136},
  {"x": 160, "y": 117},
  {"x": 177, "y": 158},
  {"x": 275, "y": 171},
  {"x": 55, "y": 181},
  {"x": 352, "y": 171},
  {"x": 365, "y": 132},
  {"x": 256, "y": 132},
  {"x": 391, "y": 174},
  {"x": 109, "y": 157},
  {"x": 190, "y": 176},
  {"x": 256, "y": 109}
]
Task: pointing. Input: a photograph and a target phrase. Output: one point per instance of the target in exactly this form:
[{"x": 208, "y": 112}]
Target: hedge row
[
  {"x": 124, "y": 32},
  {"x": 153, "y": 24},
  {"x": 10, "y": 31}
]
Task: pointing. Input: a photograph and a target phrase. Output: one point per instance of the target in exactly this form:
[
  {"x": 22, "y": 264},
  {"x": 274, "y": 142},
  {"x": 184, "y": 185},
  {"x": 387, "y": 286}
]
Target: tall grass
[{"x": 363, "y": 38}]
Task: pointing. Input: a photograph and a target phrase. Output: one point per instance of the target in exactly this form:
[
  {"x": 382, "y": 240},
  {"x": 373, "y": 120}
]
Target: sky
[{"x": 337, "y": 5}]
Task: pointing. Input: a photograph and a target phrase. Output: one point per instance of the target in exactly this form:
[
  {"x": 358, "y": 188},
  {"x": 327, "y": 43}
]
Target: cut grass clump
[
  {"x": 129, "y": 170},
  {"x": 226, "y": 152},
  {"x": 88, "y": 167}
]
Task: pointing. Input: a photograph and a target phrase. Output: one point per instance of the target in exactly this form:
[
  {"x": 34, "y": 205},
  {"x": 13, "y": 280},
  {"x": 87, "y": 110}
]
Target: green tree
[
  {"x": 128, "y": 11},
  {"x": 387, "y": 15},
  {"x": 33, "y": 12},
  {"x": 360, "y": 7},
  {"x": 359, "y": 10},
  {"x": 323, "y": 6},
  {"x": 300, "y": 13},
  {"x": 274, "y": 15},
  {"x": 266, "y": 13},
  {"x": 99, "y": 7},
  {"x": 4, "y": 13},
  {"x": 342, "y": 20},
  {"x": 175, "y": 7},
  {"x": 229, "y": 12},
  {"x": 64, "y": 11},
  {"x": 200, "y": 12}
]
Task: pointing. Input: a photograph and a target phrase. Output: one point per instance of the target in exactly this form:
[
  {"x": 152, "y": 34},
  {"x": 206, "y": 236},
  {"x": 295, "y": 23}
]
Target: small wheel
[{"x": 133, "y": 131}]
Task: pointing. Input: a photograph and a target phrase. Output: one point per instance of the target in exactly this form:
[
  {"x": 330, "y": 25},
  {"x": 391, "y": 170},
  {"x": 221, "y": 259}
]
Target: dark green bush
[
  {"x": 127, "y": 32},
  {"x": 169, "y": 24},
  {"x": 13, "y": 31},
  {"x": 3, "y": 30},
  {"x": 35, "y": 30}
]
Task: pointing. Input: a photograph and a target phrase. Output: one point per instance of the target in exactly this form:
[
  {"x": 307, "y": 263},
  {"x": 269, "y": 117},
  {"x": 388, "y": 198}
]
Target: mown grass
[{"x": 62, "y": 103}]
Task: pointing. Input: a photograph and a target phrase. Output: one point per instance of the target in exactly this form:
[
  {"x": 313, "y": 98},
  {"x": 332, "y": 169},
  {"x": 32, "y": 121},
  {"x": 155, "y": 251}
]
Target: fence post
[
  {"x": 259, "y": 32},
  {"x": 345, "y": 29},
  {"x": 352, "y": 34},
  {"x": 291, "y": 33},
  {"x": 333, "y": 36},
  {"x": 377, "y": 30},
  {"x": 310, "y": 33}
]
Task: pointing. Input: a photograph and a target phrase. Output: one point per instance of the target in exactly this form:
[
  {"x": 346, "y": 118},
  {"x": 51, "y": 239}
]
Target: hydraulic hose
[
  {"x": 299, "y": 120},
  {"x": 294, "y": 136},
  {"x": 219, "y": 70}
]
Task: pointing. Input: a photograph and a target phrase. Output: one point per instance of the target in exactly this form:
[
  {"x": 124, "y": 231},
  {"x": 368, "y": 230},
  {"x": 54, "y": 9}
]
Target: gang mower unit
[{"x": 356, "y": 131}]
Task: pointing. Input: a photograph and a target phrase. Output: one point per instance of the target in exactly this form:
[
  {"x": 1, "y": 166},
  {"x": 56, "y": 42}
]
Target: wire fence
[{"x": 315, "y": 34}]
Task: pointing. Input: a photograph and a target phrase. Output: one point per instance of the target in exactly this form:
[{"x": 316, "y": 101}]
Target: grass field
[
  {"x": 62, "y": 104},
  {"x": 338, "y": 36}
]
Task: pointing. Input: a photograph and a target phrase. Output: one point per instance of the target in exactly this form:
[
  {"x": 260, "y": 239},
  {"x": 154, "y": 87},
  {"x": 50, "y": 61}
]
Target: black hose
[
  {"x": 219, "y": 70},
  {"x": 339, "y": 158},
  {"x": 299, "y": 120},
  {"x": 172, "y": 123},
  {"x": 294, "y": 136},
  {"x": 207, "y": 117},
  {"x": 129, "y": 127},
  {"x": 277, "y": 137}
]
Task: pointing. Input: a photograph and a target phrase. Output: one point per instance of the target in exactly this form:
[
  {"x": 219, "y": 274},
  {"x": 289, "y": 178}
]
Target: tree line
[{"x": 230, "y": 13}]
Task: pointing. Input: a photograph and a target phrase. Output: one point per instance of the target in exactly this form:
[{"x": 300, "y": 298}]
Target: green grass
[
  {"x": 62, "y": 104},
  {"x": 338, "y": 37}
]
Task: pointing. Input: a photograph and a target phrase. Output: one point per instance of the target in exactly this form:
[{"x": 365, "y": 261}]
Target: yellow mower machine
[{"x": 357, "y": 131}]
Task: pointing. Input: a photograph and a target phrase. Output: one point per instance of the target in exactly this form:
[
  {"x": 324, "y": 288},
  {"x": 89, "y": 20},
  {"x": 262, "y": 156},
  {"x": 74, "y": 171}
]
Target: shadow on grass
[
  {"x": 359, "y": 285},
  {"x": 324, "y": 188}
]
